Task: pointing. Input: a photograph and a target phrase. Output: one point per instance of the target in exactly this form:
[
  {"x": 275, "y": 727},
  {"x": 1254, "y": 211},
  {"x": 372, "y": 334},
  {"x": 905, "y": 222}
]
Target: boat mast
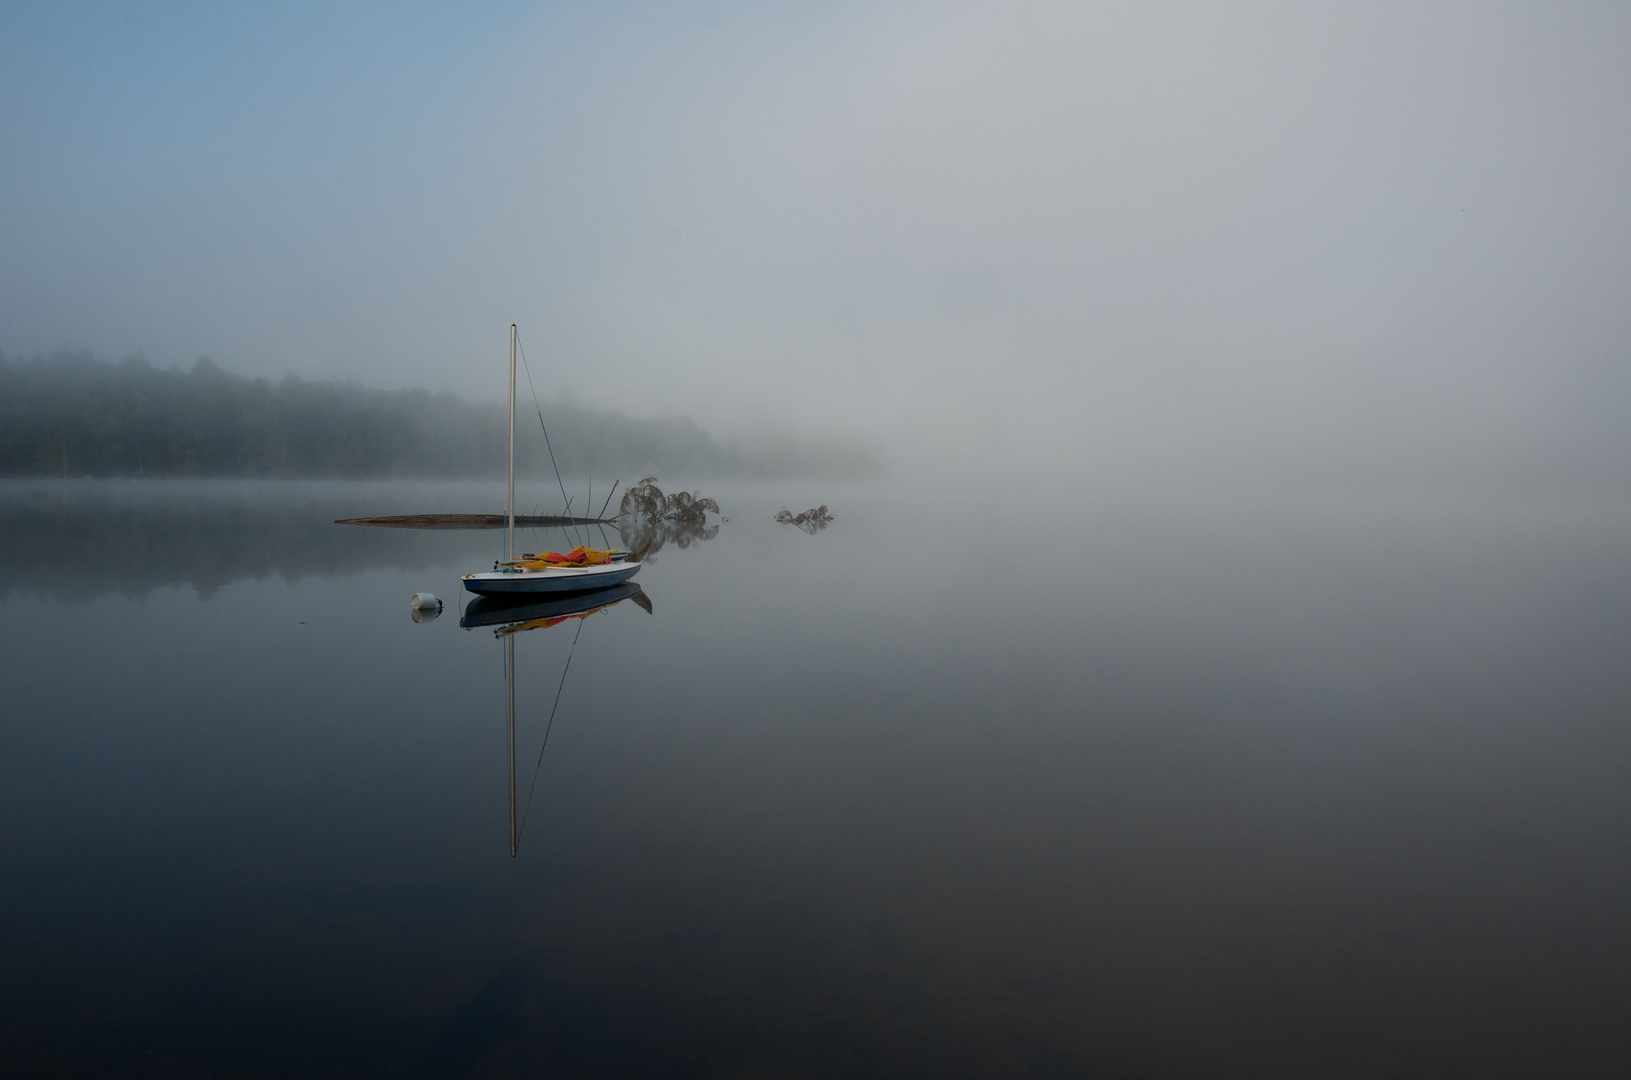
[{"x": 509, "y": 512}]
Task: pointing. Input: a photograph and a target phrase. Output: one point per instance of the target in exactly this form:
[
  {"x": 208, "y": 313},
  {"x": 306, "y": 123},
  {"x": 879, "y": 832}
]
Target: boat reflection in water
[
  {"x": 511, "y": 617},
  {"x": 514, "y": 616}
]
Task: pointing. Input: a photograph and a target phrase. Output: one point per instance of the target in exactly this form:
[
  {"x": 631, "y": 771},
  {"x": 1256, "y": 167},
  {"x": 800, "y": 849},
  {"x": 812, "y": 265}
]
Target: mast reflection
[{"x": 509, "y": 618}]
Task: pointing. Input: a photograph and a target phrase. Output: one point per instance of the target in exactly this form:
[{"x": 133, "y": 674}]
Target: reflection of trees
[
  {"x": 84, "y": 539},
  {"x": 649, "y": 519}
]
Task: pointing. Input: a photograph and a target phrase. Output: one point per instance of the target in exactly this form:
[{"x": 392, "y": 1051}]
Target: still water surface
[{"x": 1134, "y": 787}]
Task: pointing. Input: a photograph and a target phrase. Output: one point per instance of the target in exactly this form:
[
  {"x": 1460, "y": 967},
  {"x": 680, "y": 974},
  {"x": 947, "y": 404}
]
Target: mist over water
[
  {"x": 1323, "y": 788},
  {"x": 74, "y": 416}
]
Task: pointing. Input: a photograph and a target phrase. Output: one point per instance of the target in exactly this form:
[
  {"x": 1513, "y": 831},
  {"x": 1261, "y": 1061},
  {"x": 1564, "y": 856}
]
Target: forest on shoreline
[{"x": 75, "y": 415}]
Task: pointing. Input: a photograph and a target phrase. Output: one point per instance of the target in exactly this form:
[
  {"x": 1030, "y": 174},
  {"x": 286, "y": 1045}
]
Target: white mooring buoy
[{"x": 424, "y": 606}]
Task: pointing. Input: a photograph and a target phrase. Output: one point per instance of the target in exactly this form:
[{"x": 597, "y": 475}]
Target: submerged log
[{"x": 472, "y": 521}]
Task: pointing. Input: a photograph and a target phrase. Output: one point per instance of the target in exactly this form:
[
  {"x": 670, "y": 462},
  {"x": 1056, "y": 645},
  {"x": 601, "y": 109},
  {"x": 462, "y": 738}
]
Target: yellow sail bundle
[{"x": 578, "y": 556}]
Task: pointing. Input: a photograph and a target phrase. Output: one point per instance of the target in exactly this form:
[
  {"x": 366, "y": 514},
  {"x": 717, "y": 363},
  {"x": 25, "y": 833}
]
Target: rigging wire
[
  {"x": 539, "y": 409},
  {"x": 547, "y": 727}
]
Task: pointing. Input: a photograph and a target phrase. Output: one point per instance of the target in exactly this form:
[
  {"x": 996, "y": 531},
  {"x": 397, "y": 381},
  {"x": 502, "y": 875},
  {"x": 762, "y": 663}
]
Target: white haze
[{"x": 1378, "y": 244}]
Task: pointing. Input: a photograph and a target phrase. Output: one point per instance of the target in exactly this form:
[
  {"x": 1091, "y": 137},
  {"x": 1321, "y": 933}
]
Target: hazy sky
[{"x": 1397, "y": 235}]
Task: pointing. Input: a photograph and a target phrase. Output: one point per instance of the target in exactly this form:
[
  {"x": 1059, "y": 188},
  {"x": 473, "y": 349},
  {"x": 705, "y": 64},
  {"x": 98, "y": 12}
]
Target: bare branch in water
[
  {"x": 811, "y": 521},
  {"x": 648, "y": 519}
]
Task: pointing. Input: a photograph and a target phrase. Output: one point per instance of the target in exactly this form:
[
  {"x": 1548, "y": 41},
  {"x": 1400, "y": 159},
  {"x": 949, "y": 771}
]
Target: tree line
[{"x": 73, "y": 414}]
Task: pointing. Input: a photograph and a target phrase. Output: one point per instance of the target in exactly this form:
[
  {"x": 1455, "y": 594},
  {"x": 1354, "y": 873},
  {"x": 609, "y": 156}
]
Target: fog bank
[
  {"x": 1378, "y": 245},
  {"x": 74, "y": 416}
]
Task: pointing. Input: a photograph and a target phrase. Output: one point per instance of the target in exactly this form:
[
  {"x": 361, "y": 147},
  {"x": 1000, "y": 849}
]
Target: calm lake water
[{"x": 1127, "y": 786}]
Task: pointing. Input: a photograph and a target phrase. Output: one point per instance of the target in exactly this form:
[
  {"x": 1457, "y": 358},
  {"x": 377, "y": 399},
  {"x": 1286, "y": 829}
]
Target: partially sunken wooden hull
[{"x": 471, "y": 521}]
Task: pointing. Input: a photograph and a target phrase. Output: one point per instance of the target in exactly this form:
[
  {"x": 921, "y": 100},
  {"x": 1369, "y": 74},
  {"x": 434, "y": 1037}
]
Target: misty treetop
[{"x": 76, "y": 415}]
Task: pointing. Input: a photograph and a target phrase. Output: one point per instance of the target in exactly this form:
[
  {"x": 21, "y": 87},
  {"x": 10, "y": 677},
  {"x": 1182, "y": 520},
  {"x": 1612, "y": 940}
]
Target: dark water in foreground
[{"x": 1132, "y": 788}]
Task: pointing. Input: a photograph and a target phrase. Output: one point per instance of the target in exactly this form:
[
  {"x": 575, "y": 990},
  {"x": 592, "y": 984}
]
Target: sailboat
[{"x": 551, "y": 572}]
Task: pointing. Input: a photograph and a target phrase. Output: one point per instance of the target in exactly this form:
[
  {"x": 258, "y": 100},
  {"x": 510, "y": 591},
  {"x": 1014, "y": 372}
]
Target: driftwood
[{"x": 472, "y": 521}]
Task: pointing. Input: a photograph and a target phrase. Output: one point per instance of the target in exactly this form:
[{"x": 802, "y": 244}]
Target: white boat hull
[{"x": 555, "y": 579}]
